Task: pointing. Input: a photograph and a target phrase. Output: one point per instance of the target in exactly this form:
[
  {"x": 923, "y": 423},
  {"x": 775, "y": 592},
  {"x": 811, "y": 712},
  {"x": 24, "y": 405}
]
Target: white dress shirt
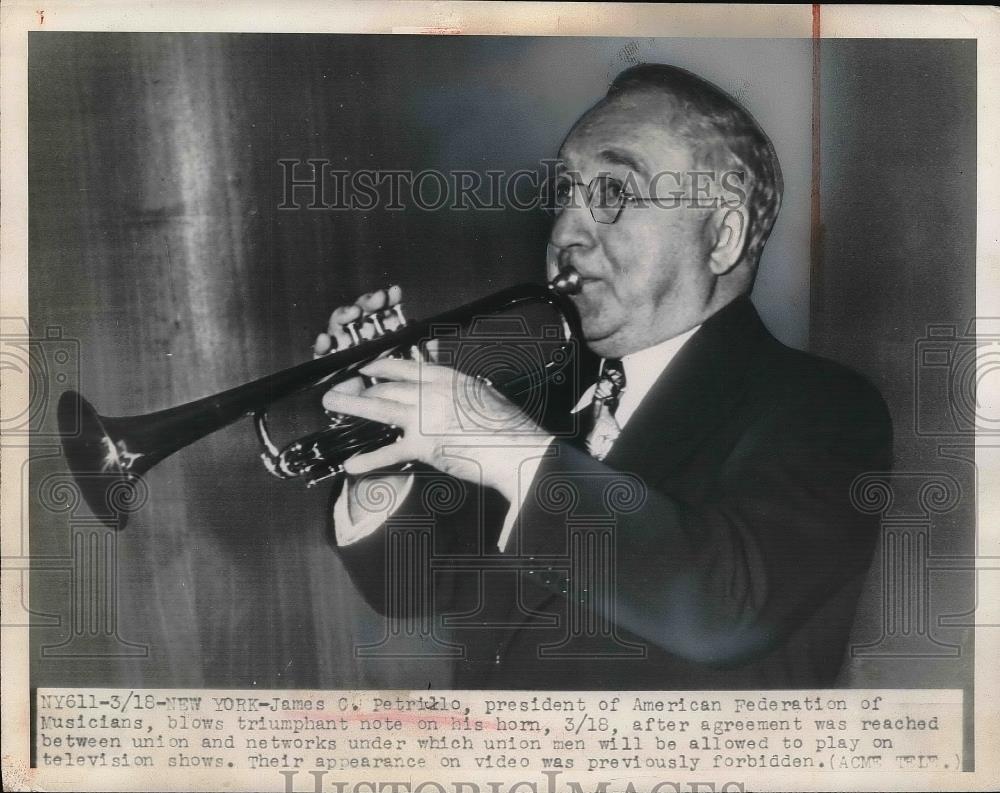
[{"x": 641, "y": 368}]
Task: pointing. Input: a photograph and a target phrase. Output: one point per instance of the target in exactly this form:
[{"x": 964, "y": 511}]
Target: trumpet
[{"x": 101, "y": 450}]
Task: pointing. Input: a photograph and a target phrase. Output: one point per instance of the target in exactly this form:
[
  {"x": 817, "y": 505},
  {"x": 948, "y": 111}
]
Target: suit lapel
[{"x": 692, "y": 395}]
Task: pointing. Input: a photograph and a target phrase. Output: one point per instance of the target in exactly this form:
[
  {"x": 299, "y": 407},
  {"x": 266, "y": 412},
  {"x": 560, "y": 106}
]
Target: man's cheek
[
  {"x": 596, "y": 303},
  {"x": 645, "y": 243}
]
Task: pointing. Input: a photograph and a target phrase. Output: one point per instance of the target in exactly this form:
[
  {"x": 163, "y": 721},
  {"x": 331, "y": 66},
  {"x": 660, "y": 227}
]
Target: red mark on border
[{"x": 41, "y": 16}]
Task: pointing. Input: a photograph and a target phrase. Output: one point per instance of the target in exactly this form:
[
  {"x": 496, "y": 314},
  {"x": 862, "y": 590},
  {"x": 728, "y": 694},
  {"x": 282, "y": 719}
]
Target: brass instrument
[{"x": 101, "y": 450}]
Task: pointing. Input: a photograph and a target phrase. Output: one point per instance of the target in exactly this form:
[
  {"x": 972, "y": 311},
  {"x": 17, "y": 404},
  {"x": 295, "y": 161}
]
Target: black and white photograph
[{"x": 568, "y": 397}]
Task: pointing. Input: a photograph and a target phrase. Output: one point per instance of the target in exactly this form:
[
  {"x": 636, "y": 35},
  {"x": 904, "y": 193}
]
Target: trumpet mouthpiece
[{"x": 568, "y": 282}]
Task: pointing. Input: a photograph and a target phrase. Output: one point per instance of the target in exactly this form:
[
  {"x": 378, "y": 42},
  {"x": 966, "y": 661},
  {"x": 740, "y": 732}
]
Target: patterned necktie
[{"x": 607, "y": 394}]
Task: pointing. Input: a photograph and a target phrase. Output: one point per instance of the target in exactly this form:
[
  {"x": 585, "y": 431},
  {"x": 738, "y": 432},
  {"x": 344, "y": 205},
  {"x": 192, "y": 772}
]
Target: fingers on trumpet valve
[
  {"x": 336, "y": 336},
  {"x": 382, "y": 312},
  {"x": 371, "y": 315}
]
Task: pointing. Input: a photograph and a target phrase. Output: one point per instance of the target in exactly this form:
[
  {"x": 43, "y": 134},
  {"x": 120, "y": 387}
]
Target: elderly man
[{"x": 740, "y": 560}]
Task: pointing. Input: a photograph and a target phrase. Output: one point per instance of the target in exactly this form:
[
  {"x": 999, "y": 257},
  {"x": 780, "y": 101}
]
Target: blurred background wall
[
  {"x": 892, "y": 294},
  {"x": 156, "y": 242}
]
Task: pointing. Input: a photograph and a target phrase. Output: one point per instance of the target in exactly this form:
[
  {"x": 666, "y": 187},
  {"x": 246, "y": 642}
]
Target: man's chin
[
  {"x": 605, "y": 344},
  {"x": 602, "y": 327}
]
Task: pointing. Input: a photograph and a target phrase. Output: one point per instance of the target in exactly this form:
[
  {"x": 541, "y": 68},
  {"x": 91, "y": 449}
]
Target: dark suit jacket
[{"x": 716, "y": 546}]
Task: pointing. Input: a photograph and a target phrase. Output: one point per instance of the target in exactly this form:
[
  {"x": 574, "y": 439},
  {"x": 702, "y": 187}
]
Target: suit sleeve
[
  {"x": 437, "y": 516},
  {"x": 723, "y": 580}
]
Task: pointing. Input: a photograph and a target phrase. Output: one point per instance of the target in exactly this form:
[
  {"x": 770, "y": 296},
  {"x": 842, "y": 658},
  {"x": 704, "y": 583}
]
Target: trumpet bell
[{"x": 97, "y": 458}]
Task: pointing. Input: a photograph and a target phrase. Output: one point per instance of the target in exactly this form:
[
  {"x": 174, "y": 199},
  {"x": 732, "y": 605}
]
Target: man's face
[{"x": 646, "y": 276}]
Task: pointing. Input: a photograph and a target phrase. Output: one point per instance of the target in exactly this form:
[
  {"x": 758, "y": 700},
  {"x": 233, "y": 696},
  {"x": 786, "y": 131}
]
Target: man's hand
[
  {"x": 337, "y": 337},
  {"x": 456, "y": 423}
]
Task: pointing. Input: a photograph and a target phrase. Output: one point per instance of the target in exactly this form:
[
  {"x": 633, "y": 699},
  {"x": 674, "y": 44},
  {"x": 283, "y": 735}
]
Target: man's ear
[{"x": 731, "y": 228}]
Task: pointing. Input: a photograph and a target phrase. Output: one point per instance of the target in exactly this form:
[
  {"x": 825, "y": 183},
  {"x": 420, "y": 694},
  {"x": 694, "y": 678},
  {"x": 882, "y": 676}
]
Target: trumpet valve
[{"x": 376, "y": 321}]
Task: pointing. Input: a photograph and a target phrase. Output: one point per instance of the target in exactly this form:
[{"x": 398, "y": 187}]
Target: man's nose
[{"x": 574, "y": 228}]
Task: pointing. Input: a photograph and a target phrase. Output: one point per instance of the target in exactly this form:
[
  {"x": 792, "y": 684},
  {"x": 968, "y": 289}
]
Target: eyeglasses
[{"x": 606, "y": 197}]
